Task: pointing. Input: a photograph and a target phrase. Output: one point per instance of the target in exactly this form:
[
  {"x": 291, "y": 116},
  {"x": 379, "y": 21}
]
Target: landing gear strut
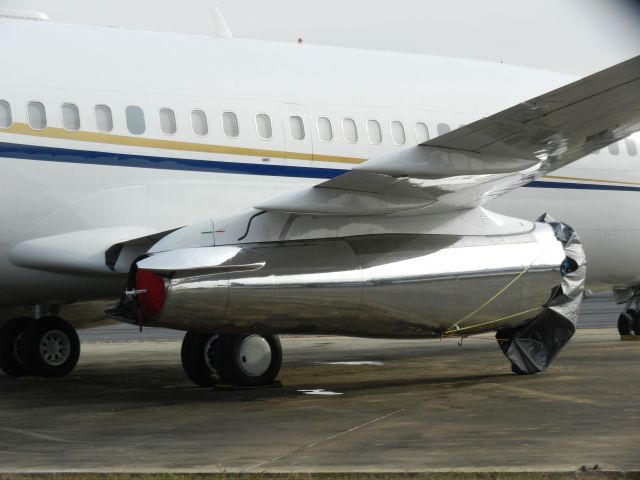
[
  {"x": 45, "y": 347},
  {"x": 241, "y": 360}
]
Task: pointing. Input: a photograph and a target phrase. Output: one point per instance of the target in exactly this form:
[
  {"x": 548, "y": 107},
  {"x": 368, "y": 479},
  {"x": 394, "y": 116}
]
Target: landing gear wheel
[
  {"x": 625, "y": 321},
  {"x": 248, "y": 360},
  {"x": 636, "y": 324},
  {"x": 197, "y": 358},
  {"x": 11, "y": 333},
  {"x": 50, "y": 347}
]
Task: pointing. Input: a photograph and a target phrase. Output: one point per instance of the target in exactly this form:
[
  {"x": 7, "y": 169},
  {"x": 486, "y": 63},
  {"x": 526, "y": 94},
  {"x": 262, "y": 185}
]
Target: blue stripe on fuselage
[
  {"x": 87, "y": 157},
  {"x": 581, "y": 186}
]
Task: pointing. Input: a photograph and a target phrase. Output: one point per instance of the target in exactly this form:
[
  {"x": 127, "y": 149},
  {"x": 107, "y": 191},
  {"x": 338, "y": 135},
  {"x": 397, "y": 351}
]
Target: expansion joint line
[{"x": 332, "y": 437}]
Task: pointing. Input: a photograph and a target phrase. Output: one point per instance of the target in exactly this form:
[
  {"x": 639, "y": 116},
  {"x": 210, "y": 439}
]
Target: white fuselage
[{"x": 58, "y": 181}]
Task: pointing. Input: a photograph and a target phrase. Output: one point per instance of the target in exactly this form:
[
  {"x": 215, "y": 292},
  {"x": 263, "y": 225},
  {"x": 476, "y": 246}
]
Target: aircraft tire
[
  {"x": 248, "y": 360},
  {"x": 636, "y": 324},
  {"x": 624, "y": 322},
  {"x": 11, "y": 333},
  {"x": 197, "y": 358},
  {"x": 50, "y": 347}
]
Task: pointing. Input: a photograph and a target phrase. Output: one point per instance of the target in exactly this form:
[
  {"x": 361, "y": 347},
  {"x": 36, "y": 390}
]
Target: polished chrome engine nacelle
[{"x": 374, "y": 286}]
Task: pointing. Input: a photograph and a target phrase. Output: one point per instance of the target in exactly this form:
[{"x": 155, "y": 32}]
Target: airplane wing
[{"x": 476, "y": 163}]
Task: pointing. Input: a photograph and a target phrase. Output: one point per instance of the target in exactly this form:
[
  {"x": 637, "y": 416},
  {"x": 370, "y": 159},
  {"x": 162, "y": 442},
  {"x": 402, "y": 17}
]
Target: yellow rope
[
  {"x": 457, "y": 330},
  {"x": 456, "y": 326}
]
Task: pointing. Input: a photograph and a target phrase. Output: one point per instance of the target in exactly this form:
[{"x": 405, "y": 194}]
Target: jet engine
[{"x": 373, "y": 286}]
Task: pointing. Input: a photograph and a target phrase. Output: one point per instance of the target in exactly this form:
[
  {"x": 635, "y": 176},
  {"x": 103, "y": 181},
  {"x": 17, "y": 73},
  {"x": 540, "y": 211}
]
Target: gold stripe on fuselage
[
  {"x": 108, "y": 139},
  {"x": 594, "y": 180},
  {"x": 122, "y": 140}
]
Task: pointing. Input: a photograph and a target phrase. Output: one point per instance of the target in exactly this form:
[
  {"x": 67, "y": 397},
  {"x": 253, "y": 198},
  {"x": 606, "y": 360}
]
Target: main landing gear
[
  {"x": 629, "y": 319},
  {"x": 44, "y": 347},
  {"x": 252, "y": 360},
  {"x": 629, "y": 322}
]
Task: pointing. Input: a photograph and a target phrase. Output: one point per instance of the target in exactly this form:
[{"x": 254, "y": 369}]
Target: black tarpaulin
[{"x": 532, "y": 347}]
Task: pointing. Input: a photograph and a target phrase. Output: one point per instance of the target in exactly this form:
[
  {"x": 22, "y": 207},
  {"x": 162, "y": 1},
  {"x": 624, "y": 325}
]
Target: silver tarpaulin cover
[{"x": 532, "y": 347}]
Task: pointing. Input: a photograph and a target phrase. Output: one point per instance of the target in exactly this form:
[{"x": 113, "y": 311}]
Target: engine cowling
[{"x": 374, "y": 286}]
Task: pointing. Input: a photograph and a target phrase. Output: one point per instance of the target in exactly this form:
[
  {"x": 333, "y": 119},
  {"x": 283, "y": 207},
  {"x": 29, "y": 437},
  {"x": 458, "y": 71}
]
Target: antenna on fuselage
[{"x": 219, "y": 24}]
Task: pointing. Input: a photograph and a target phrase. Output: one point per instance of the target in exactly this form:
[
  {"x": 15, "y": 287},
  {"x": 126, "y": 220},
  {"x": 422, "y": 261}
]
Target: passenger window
[
  {"x": 263, "y": 124},
  {"x": 374, "y": 131},
  {"x": 325, "y": 130},
  {"x": 70, "y": 116},
  {"x": 230, "y": 124},
  {"x": 104, "y": 118},
  {"x": 168, "y": 121},
  {"x": 297, "y": 127},
  {"x": 135, "y": 120},
  {"x": 350, "y": 130},
  {"x": 422, "y": 132},
  {"x": 443, "y": 128},
  {"x": 614, "y": 148},
  {"x": 37, "y": 115},
  {"x": 397, "y": 133},
  {"x": 6, "y": 120},
  {"x": 632, "y": 148},
  {"x": 199, "y": 123}
]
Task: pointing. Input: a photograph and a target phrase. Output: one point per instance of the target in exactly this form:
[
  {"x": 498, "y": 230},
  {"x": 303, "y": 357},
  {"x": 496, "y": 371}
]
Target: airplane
[{"x": 239, "y": 189}]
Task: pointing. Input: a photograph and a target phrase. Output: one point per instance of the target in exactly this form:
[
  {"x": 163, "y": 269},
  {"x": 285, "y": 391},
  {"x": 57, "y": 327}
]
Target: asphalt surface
[{"x": 345, "y": 405}]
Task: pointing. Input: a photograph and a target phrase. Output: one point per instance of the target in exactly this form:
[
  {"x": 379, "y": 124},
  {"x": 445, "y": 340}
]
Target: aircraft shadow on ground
[{"x": 154, "y": 386}]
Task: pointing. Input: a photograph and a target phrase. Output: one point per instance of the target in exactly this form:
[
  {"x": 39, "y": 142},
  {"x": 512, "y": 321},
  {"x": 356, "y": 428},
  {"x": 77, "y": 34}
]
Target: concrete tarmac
[{"x": 384, "y": 406}]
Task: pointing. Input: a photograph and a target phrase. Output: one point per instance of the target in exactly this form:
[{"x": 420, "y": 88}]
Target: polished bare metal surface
[
  {"x": 218, "y": 259},
  {"x": 383, "y": 285},
  {"x": 276, "y": 226}
]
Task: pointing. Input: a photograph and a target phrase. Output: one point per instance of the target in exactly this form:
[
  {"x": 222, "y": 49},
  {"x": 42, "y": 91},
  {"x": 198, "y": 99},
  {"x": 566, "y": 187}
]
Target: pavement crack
[
  {"x": 39, "y": 436},
  {"x": 548, "y": 396},
  {"x": 324, "y": 440}
]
